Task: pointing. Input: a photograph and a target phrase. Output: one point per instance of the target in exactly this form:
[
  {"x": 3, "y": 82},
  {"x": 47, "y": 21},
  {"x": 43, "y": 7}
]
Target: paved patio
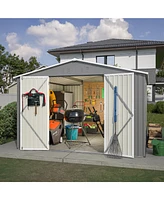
[{"x": 83, "y": 153}]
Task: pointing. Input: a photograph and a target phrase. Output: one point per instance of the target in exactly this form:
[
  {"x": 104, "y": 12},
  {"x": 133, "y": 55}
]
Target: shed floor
[{"x": 96, "y": 140}]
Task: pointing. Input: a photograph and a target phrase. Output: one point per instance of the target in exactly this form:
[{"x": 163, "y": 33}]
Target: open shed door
[
  {"x": 34, "y": 113},
  {"x": 125, "y": 111}
]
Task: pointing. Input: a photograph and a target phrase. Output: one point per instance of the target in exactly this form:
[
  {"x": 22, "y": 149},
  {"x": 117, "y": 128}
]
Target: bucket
[
  {"x": 72, "y": 132},
  {"x": 158, "y": 147}
]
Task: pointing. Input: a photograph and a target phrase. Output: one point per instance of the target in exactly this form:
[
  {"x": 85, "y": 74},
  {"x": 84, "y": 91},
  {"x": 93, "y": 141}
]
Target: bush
[
  {"x": 159, "y": 107},
  {"x": 151, "y": 108},
  {"x": 8, "y": 122},
  {"x": 160, "y": 73}
]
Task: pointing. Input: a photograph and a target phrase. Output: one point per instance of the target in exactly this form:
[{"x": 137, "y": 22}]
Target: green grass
[
  {"x": 17, "y": 170},
  {"x": 155, "y": 118}
]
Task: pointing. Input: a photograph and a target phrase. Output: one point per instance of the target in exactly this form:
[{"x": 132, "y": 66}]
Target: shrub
[
  {"x": 151, "y": 108},
  {"x": 8, "y": 122},
  {"x": 159, "y": 107},
  {"x": 160, "y": 73}
]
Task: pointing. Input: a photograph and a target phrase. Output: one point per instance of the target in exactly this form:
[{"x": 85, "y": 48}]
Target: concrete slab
[
  {"x": 81, "y": 155},
  {"x": 9, "y": 150}
]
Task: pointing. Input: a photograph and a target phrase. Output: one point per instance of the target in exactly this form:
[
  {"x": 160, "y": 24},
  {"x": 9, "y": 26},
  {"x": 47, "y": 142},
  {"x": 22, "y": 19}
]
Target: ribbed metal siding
[
  {"x": 18, "y": 113},
  {"x": 125, "y": 85},
  {"x": 34, "y": 129},
  {"x": 56, "y": 87},
  {"x": 140, "y": 115},
  {"x": 77, "y": 92}
]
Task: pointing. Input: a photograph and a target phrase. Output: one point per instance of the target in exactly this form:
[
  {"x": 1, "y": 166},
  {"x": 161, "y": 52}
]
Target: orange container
[{"x": 53, "y": 124}]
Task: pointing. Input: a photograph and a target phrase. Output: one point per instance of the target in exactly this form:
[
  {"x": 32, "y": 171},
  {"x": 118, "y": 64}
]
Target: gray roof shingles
[{"x": 110, "y": 43}]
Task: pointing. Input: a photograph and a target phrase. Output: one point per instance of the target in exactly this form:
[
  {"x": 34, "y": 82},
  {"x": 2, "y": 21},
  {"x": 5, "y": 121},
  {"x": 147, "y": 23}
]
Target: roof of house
[{"x": 107, "y": 44}]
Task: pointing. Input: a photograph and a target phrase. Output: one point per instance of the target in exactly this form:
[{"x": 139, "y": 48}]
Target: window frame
[{"x": 105, "y": 59}]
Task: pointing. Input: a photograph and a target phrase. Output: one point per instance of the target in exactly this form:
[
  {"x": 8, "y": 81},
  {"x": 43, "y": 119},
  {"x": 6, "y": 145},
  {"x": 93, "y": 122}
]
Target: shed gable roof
[{"x": 78, "y": 67}]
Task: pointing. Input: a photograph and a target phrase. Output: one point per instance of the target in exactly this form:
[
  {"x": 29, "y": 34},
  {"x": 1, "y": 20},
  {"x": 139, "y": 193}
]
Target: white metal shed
[{"x": 33, "y": 130}]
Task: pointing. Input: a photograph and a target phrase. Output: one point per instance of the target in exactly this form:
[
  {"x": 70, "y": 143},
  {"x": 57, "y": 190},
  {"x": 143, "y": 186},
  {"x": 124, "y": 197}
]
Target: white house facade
[
  {"x": 124, "y": 59},
  {"x": 141, "y": 55}
]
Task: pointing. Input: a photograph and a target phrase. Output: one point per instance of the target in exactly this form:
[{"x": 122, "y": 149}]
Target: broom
[{"x": 114, "y": 148}]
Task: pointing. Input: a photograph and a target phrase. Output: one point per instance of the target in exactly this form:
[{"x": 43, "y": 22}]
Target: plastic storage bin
[
  {"x": 72, "y": 132},
  {"x": 55, "y": 131},
  {"x": 158, "y": 147}
]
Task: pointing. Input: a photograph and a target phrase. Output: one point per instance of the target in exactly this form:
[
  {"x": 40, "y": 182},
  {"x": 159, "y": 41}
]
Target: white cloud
[
  {"x": 42, "y": 21},
  {"x": 54, "y": 33},
  {"x": 145, "y": 34},
  {"x": 25, "y": 50},
  {"x": 108, "y": 28}
]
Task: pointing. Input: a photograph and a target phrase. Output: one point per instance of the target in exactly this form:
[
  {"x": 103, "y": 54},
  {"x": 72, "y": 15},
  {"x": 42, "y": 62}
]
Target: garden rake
[{"x": 114, "y": 149}]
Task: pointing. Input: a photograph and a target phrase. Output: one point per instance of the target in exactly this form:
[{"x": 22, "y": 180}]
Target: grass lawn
[
  {"x": 155, "y": 118},
  {"x": 18, "y": 170}
]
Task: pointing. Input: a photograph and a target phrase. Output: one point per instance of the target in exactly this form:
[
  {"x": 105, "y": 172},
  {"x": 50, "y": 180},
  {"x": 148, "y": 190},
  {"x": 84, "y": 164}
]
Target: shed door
[
  {"x": 125, "y": 111},
  {"x": 34, "y": 113}
]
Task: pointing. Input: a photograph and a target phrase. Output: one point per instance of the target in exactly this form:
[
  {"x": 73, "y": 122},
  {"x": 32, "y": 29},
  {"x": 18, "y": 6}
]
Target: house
[{"x": 143, "y": 55}]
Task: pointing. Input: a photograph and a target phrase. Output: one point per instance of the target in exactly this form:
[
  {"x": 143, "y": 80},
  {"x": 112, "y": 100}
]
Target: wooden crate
[
  {"x": 154, "y": 130},
  {"x": 150, "y": 146}
]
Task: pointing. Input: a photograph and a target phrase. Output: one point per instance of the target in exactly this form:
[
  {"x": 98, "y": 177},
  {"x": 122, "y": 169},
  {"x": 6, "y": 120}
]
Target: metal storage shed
[{"x": 33, "y": 131}]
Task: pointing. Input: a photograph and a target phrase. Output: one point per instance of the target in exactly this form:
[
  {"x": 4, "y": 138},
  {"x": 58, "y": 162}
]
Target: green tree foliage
[
  {"x": 159, "y": 107},
  {"x": 3, "y": 56},
  {"x": 8, "y": 122},
  {"x": 13, "y": 65}
]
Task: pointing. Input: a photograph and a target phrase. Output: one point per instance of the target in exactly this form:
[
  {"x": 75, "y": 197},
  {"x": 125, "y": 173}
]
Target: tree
[
  {"x": 33, "y": 64},
  {"x": 3, "y": 56},
  {"x": 12, "y": 65}
]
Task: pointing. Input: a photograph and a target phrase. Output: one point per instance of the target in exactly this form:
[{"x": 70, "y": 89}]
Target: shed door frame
[
  {"x": 106, "y": 112},
  {"x": 46, "y": 145}
]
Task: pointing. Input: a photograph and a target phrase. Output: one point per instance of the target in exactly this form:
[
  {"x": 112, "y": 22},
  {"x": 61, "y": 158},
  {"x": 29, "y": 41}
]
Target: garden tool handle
[{"x": 35, "y": 108}]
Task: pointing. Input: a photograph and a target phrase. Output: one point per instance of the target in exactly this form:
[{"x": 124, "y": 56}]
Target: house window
[
  {"x": 108, "y": 60},
  {"x": 100, "y": 59}
]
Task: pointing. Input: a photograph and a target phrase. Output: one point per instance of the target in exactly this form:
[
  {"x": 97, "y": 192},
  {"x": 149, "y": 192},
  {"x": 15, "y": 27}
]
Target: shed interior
[{"x": 87, "y": 93}]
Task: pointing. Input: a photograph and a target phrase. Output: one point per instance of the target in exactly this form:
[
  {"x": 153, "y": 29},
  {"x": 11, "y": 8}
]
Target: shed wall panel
[
  {"x": 140, "y": 115},
  {"x": 125, "y": 110},
  {"x": 77, "y": 92},
  {"x": 34, "y": 129},
  {"x": 55, "y": 87},
  {"x": 18, "y": 113}
]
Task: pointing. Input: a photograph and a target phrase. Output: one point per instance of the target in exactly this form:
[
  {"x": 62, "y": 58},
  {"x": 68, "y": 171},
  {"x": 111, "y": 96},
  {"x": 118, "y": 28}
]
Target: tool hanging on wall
[
  {"x": 101, "y": 107},
  {"x": 93, "y": 102},
  {"x": 97, "y": 92},
  {"x": 94, "y": 94},
  {"x": 33, "y": 99},
  {"x": 90, "y": 93}
]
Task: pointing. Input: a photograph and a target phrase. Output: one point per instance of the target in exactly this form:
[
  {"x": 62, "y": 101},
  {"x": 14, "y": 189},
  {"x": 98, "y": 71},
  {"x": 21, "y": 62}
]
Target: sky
[
  {"x": 34, "y": 36},
  {"x": 28, "y": 36}
]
